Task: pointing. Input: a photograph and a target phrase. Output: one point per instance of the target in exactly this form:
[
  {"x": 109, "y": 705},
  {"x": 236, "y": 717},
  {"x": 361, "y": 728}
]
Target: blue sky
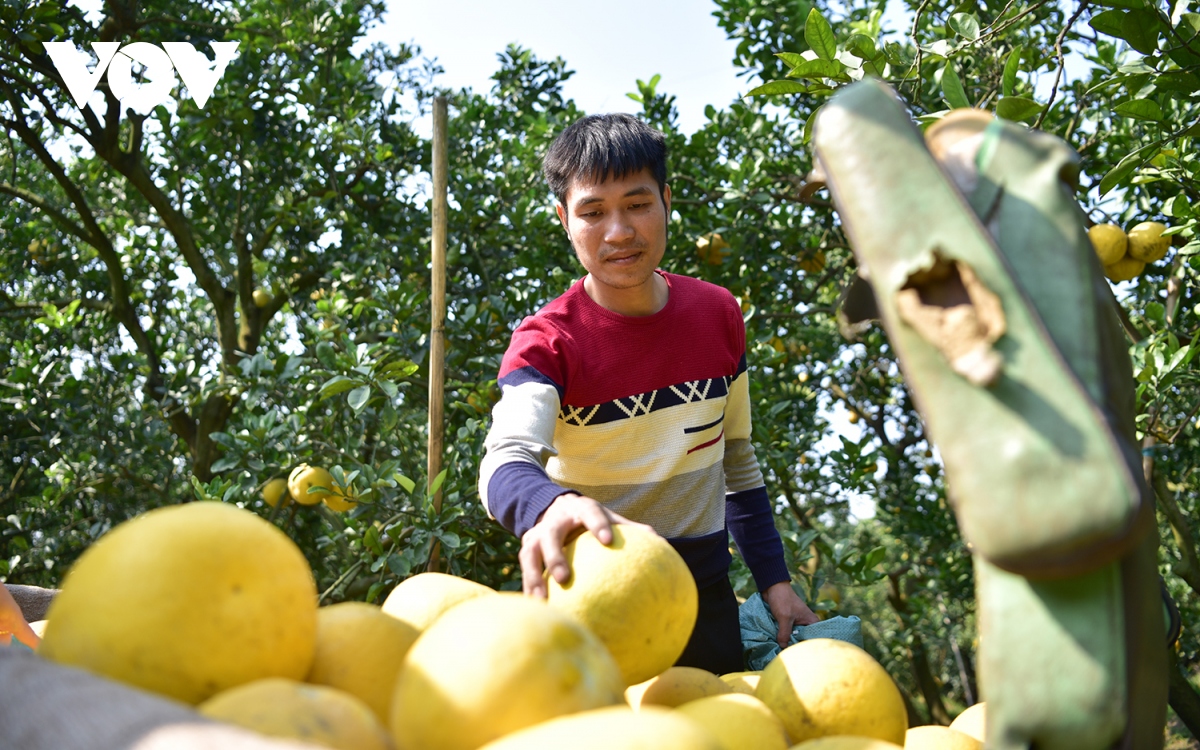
[{"x": 609, "y": 46}]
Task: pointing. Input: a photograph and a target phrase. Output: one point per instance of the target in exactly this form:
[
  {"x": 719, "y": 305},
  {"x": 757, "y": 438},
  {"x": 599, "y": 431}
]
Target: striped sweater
[{"x": 648, "y": 415}]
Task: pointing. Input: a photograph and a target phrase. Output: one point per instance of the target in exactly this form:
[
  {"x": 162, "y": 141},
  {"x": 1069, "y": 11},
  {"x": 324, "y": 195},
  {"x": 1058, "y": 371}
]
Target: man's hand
[
  {"x": 567, "y": 517},
  {"x": 12, "y": 622},
  {"x": 788, "y": 609}
]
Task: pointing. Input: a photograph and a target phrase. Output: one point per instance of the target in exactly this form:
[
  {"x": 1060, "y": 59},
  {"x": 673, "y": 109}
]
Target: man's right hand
[{"x": 567, "y": 517}]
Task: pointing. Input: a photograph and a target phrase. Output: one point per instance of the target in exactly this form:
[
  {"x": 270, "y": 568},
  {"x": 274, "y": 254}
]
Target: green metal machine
[{"x": 1008, "y": 337}]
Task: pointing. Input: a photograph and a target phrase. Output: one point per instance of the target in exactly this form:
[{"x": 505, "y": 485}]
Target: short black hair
[{"x": 597, "y": 147}]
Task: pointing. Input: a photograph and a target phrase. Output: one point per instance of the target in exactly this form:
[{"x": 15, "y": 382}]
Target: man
[{"x": 625, "y": 400}]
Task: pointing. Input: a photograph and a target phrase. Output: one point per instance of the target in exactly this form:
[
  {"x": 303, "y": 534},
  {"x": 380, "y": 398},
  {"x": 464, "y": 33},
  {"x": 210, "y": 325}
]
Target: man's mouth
[{"x": 626, "y": 258}]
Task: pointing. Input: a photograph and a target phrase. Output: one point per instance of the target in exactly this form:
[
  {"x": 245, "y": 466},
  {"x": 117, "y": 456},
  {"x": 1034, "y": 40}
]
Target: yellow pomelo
[
  {"x": 674, "y": 687},
  {"x": 493, "y": 665},
  {"x": 939, "y": 738},
  {"x": 294, "y": 710},
  {"x": 1124, "y": 269},
  {"x": 423, "y": 598},
  {"x": 187, "y": 601},
  {"x": 636, "y": 594},
  {"x": 304, "y": 477},
  {"x": 742, "y": 682},
  {"x": 847, "y": 742},
  {"x": 740, "y": 722},
  {"x": 1146, "y": 242},
  {"x": 1109, "y": 242},
  {"x": 360, "y": 650},
  {"x": 824, "y": 687},
  {"x": 262, "y": 298},
  {"x": 612, "y": 728},
  {"x": 275, "y": 491},
  {"x": 972, "y": 721}
]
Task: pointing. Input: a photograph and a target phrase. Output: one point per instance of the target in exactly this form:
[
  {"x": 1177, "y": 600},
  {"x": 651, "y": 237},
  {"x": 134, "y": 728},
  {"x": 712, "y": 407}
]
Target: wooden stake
[{"x": 437, "y": 335}]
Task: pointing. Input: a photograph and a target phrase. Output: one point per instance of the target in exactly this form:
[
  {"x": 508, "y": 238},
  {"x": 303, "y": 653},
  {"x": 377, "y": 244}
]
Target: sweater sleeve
[
  {"x": 748, "y": 511},
  {"x": 513, "y": 484}
]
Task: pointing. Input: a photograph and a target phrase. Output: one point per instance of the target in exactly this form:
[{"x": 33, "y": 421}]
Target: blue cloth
[{"x": 759, "y": 629}]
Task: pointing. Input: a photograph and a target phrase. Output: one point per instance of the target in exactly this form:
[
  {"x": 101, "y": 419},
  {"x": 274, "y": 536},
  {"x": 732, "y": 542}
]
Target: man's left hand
[{"x": 788, "y": 609}]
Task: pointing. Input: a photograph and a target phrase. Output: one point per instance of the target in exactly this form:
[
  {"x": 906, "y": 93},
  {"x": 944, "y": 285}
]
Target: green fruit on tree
[
  {"x": 1109, "y": 242},
  {"x": 1147, "y": 243}
]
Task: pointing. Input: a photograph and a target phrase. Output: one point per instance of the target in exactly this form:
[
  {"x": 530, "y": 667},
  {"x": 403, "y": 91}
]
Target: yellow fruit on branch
[
  {"x": 853, "y": 694},
  {"x": 1125, "y": 269},
  {"x": 309, "y": 485},
  {"x": 1109, "y": 242},
  {"x": 636, "y": 593},
  {"x": 262, "y": 298},
  {"x": 1147, "y": 243},
  {"x": 187, "y": 601},
  {"x": 813, "y": 261},
  {"x": 275, "y": 491},
  {"x": 294, "y": 710},
  {"x": 713, "y": 249}
]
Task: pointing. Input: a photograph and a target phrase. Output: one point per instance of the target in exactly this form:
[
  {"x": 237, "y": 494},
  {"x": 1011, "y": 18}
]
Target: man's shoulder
[{"x": 693, "y": 291}]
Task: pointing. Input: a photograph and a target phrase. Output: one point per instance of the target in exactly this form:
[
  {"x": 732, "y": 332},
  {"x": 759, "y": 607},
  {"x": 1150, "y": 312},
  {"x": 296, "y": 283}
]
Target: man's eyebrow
[{"x": 589, "y": 199}]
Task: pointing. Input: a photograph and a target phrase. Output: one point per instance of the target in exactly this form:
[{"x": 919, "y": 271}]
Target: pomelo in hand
[
  {"x": 637, "y": 594},
  {"x": 294, "y": 710},
  {"x": 187, "y": 601},
  {"x": 824, "y": 687},
  {"x": 493, "y": 665}
]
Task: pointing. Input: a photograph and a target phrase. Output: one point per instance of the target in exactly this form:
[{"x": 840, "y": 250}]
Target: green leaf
[
  {"x": 1011, "y": 66},
  {"x": 407, "y": 484},
  {"x": 1130, "y": 4},
  {"x": 952, "y": 88},
  {"x": 359, "y": 397},
  {"x": 1119, "y": 173},
  {"x": 437, "y": 483},
  {"x": 862, "y": 46},
  {"x": 771, "y": 88},
  {"x": 1017, "y": 108},
  {"x": 791, "y": 59},
  {"x": 337, "y": 384},
  {"x": 965, "y": 25},
  {"x": 1139, "y": 28},
  {"x": 1140, "y": 109},
  {"x": 1178, "y": 80},
  {"x": 819, "y": 69},
  {"x": 819, "y": 35},
  {"x": 449, "y": 539},
  {"x": 808, "y": 125}
]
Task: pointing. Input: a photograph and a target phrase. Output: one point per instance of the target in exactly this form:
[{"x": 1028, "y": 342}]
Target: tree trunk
[{"x": 1182, "y": 696}]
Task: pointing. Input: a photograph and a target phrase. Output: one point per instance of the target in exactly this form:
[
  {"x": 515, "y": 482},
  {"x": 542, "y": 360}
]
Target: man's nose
[{"x": 618, "y": 229}]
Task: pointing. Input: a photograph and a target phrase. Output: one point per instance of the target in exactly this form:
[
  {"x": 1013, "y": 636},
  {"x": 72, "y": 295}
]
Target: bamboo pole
[{"x": 437, "y": 334}]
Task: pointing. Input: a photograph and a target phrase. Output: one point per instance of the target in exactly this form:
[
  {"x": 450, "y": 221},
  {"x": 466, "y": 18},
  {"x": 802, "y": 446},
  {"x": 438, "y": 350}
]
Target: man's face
[{"x": 618, "y": 228}]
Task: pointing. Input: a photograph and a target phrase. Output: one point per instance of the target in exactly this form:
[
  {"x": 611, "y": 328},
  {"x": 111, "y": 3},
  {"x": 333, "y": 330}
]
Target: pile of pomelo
[{"x": 214, "y": 606}]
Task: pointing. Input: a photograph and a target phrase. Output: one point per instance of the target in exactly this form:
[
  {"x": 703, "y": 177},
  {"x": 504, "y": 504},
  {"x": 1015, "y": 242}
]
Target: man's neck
[{"x": 636, "y": 302}]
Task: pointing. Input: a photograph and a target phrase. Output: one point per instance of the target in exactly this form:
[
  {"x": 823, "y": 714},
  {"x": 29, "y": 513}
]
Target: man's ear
[
  {"x": 666, "y": 196},
  {"x": 562, "y": 217}
]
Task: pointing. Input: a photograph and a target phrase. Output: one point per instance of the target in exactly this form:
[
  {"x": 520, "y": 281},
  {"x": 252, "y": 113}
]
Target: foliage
[{"x": 138, "y": 370}]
